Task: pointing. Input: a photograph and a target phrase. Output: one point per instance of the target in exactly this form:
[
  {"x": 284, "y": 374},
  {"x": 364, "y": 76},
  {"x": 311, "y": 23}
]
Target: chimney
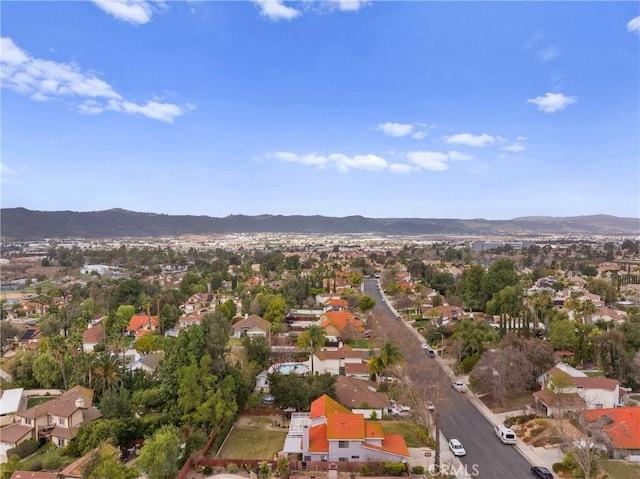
[{"x": 80, "y": 403}]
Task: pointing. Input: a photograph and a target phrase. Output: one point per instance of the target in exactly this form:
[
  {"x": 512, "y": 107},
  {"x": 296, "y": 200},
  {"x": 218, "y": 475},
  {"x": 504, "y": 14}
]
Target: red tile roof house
[
  {"x": 59, "y": 419},
  {"x": 583, "y": 392},
  {"x": 333, "y": 433},
  {"x": 621, "y": 427},
  {"x": 141, "y": 324}
]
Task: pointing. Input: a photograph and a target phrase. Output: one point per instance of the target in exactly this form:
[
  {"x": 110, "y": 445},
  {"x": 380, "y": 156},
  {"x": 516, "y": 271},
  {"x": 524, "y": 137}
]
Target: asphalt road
[{"x": 487, "y": 457}]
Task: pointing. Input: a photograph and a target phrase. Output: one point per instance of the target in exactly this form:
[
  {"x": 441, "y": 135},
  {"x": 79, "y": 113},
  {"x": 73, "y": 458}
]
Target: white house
[
  {"x": 577, "y": 392},
  {"x": 335, "y": 361}
]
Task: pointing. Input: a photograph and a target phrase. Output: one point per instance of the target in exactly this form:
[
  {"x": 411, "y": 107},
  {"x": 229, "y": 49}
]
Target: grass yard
[
  {"x": 37, "y": 400},
  {"x": 253, "y": 438},
  {"x": 414, "y": 434},
  {"x": 620, "y": 470}
]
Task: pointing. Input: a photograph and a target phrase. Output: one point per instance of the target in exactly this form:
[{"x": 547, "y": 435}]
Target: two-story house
[
  {"x": 335, "y": 361},
  {"x": 59, "y": 419},
  {"x": 565, "y": 389},
  {"x": 331, "y": 432}
]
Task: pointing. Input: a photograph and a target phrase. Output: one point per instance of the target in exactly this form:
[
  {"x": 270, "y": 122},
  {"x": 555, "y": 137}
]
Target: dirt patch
[{"x": 515, "y": 402}]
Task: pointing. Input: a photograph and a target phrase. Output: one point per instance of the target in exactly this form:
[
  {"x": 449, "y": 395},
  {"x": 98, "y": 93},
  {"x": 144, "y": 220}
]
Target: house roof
[
  {"x": 318, "y": 442},
  {"x": 356, "y": 368},
  {"x": 324, "y": 405},
  {"x": 33, "y": 475},
  {"x": 568, "y": 400},
  {"x": 393, "y": 443},
  {"x": 93, "y": 335},
  {"x": 61, "y": 405},
  {"x": 138, "y": 321},
  {"x": 345, "y": 426},
  {"x": 340, "y": 319},
  {"x": 596, "y": 382},
  {"x": 622, "y": 425},
  {"x": 373, "y": 430},
  {"x": 75, "y": 468},
  {"x": 12, "y": 433},
  {"x": 253, "y": 321},
  {"x": 356, "y": 392},
  {"x": 343, "y": 352},
  {"x": 10, "y": 400},
  {"x": 64, "y": 432}
]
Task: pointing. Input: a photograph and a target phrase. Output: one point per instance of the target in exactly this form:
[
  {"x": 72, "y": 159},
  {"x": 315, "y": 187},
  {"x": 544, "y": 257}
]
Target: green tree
[
  {"x": 159, "y": 456},
  {"x": 257, "y": 350},
  {"x": 366, "y": 303},
  {"x": 276, "y": 310},
  {"x": 312, "y": 339},
  {"x": 104, "y": 464},
  {"x": 228, "y": 309},
  {"x": 562, "y": 335},
  {"x": 46, "y": 371}
]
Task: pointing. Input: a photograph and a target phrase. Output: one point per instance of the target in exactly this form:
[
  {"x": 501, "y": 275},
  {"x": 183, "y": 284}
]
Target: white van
[{"x": 505, "y": 434}]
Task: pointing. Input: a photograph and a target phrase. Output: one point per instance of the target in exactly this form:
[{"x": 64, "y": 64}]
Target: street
[{"x": 487, "y": 457}]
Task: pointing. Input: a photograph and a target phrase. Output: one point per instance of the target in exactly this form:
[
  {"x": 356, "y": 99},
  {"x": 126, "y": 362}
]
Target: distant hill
[{"x": 18, "y": 224}]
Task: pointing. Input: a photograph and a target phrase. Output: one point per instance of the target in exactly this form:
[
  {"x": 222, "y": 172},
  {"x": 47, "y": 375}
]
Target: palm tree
[
  {"x": 106, "y": 374},
  {"x": 312, "y": 339},
  {"x": 390, "y": 355}
]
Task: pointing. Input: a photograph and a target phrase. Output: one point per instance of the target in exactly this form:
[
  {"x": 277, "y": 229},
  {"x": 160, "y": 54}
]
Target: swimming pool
[{"x": 288, "y": 368}]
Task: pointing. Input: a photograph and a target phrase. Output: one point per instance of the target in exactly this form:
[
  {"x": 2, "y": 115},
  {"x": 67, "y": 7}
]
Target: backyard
[{"x": 253, "y": 437}]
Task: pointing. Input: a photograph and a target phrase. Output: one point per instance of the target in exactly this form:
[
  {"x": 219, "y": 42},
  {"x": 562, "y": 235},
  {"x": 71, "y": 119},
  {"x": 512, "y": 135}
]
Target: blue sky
[{"x": 383, "y": 109}]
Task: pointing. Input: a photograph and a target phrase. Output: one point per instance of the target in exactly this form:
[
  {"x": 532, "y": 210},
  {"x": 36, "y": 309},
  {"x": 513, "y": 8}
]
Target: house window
[
  {"x": 60, "y": 442},
  {"x": 323, "y": 458},
  {"x": 355, "y": 457},
  {"x": 61, "y": 421},
  {"x": 343, "y": 459},
  {"x": 343, "y": 444},
  {"x": 27, "y": 421},
  {"x": 599, "y": 405}
]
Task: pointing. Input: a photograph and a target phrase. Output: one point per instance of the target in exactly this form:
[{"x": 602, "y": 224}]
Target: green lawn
[
  {"x": 256, "y": 440},
  {"x": 414, "y": 434},
  {"x": 621, "y": 470},
  {"x": 37, "y": 400}
]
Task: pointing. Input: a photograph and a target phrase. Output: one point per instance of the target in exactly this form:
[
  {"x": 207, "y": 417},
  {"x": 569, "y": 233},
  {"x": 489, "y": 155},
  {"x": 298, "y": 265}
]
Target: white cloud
[
  {"x": 395, "y": 129},
  {"x": 309, "y": 159},
  {"x": 90, "y": 107},
  {"x": 634, "y": 25},
  {"x": 470, "y": 140},
  {"x": 351, "y": 5},
  {"x": 45, "y": 80},
  {"x": 358, "y": 162},
  {"x": 342, "y": 162},
  {"x": 429, "y": 160},
  {"x": 514, "y": 147},
  {"x": 552, "y": 102},
  {"x": 420, "y": 135},
  {"x": 7, "y": 174},
  {"x": 133, "y": 11},
  {"x": 522, "y": 138},
  {"x": 276, "y": 10},
  {"x": 547, "y": 53},
  {"x": 402, "y": 168},
  {"x": 458, "y": 156}
]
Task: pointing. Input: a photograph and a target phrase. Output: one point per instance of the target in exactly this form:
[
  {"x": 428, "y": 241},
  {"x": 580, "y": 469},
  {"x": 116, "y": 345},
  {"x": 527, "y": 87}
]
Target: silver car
[{"x": 456, "y": 448}]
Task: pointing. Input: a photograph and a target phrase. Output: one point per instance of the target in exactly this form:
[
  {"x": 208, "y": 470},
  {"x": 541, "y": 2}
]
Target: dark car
[{"x": 541, "y": 472}]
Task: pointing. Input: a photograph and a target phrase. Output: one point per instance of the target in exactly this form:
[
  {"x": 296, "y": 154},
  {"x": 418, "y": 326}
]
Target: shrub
[
  {"x": 207, "y": 470},
  {"x": 394, "y": 468},
  {"x": 365, "y": 470},
  {"x": 232, "y": 468},
  {"x": 417, "y": 470},
  {"x": 467, "y": 364},
  {"x": 283, "y": 468},
  {"x": 559, "y": 468},
  {"x": 36, "y": 465},
  {"x": 537, "y": 430},
  {"x": 25, "y": 448}
]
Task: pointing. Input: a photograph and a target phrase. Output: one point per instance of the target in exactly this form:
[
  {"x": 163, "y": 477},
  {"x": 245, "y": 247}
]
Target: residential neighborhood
[{"x": 344, "y": 349}]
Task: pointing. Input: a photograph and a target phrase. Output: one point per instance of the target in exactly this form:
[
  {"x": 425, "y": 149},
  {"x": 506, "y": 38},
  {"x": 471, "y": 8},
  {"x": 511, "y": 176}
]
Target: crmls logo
[{"x": 460, "y": 470}]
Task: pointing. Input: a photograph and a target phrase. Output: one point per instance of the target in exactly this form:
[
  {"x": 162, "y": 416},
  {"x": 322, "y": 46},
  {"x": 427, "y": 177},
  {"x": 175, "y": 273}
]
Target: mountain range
[{"x": 21, "y": 224}]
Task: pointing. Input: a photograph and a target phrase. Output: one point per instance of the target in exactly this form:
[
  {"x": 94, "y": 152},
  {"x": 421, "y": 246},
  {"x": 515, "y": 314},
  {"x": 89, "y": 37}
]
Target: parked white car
[
  {"x": 456, "y": 447},
  {"x": 459, "y": 386}
]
